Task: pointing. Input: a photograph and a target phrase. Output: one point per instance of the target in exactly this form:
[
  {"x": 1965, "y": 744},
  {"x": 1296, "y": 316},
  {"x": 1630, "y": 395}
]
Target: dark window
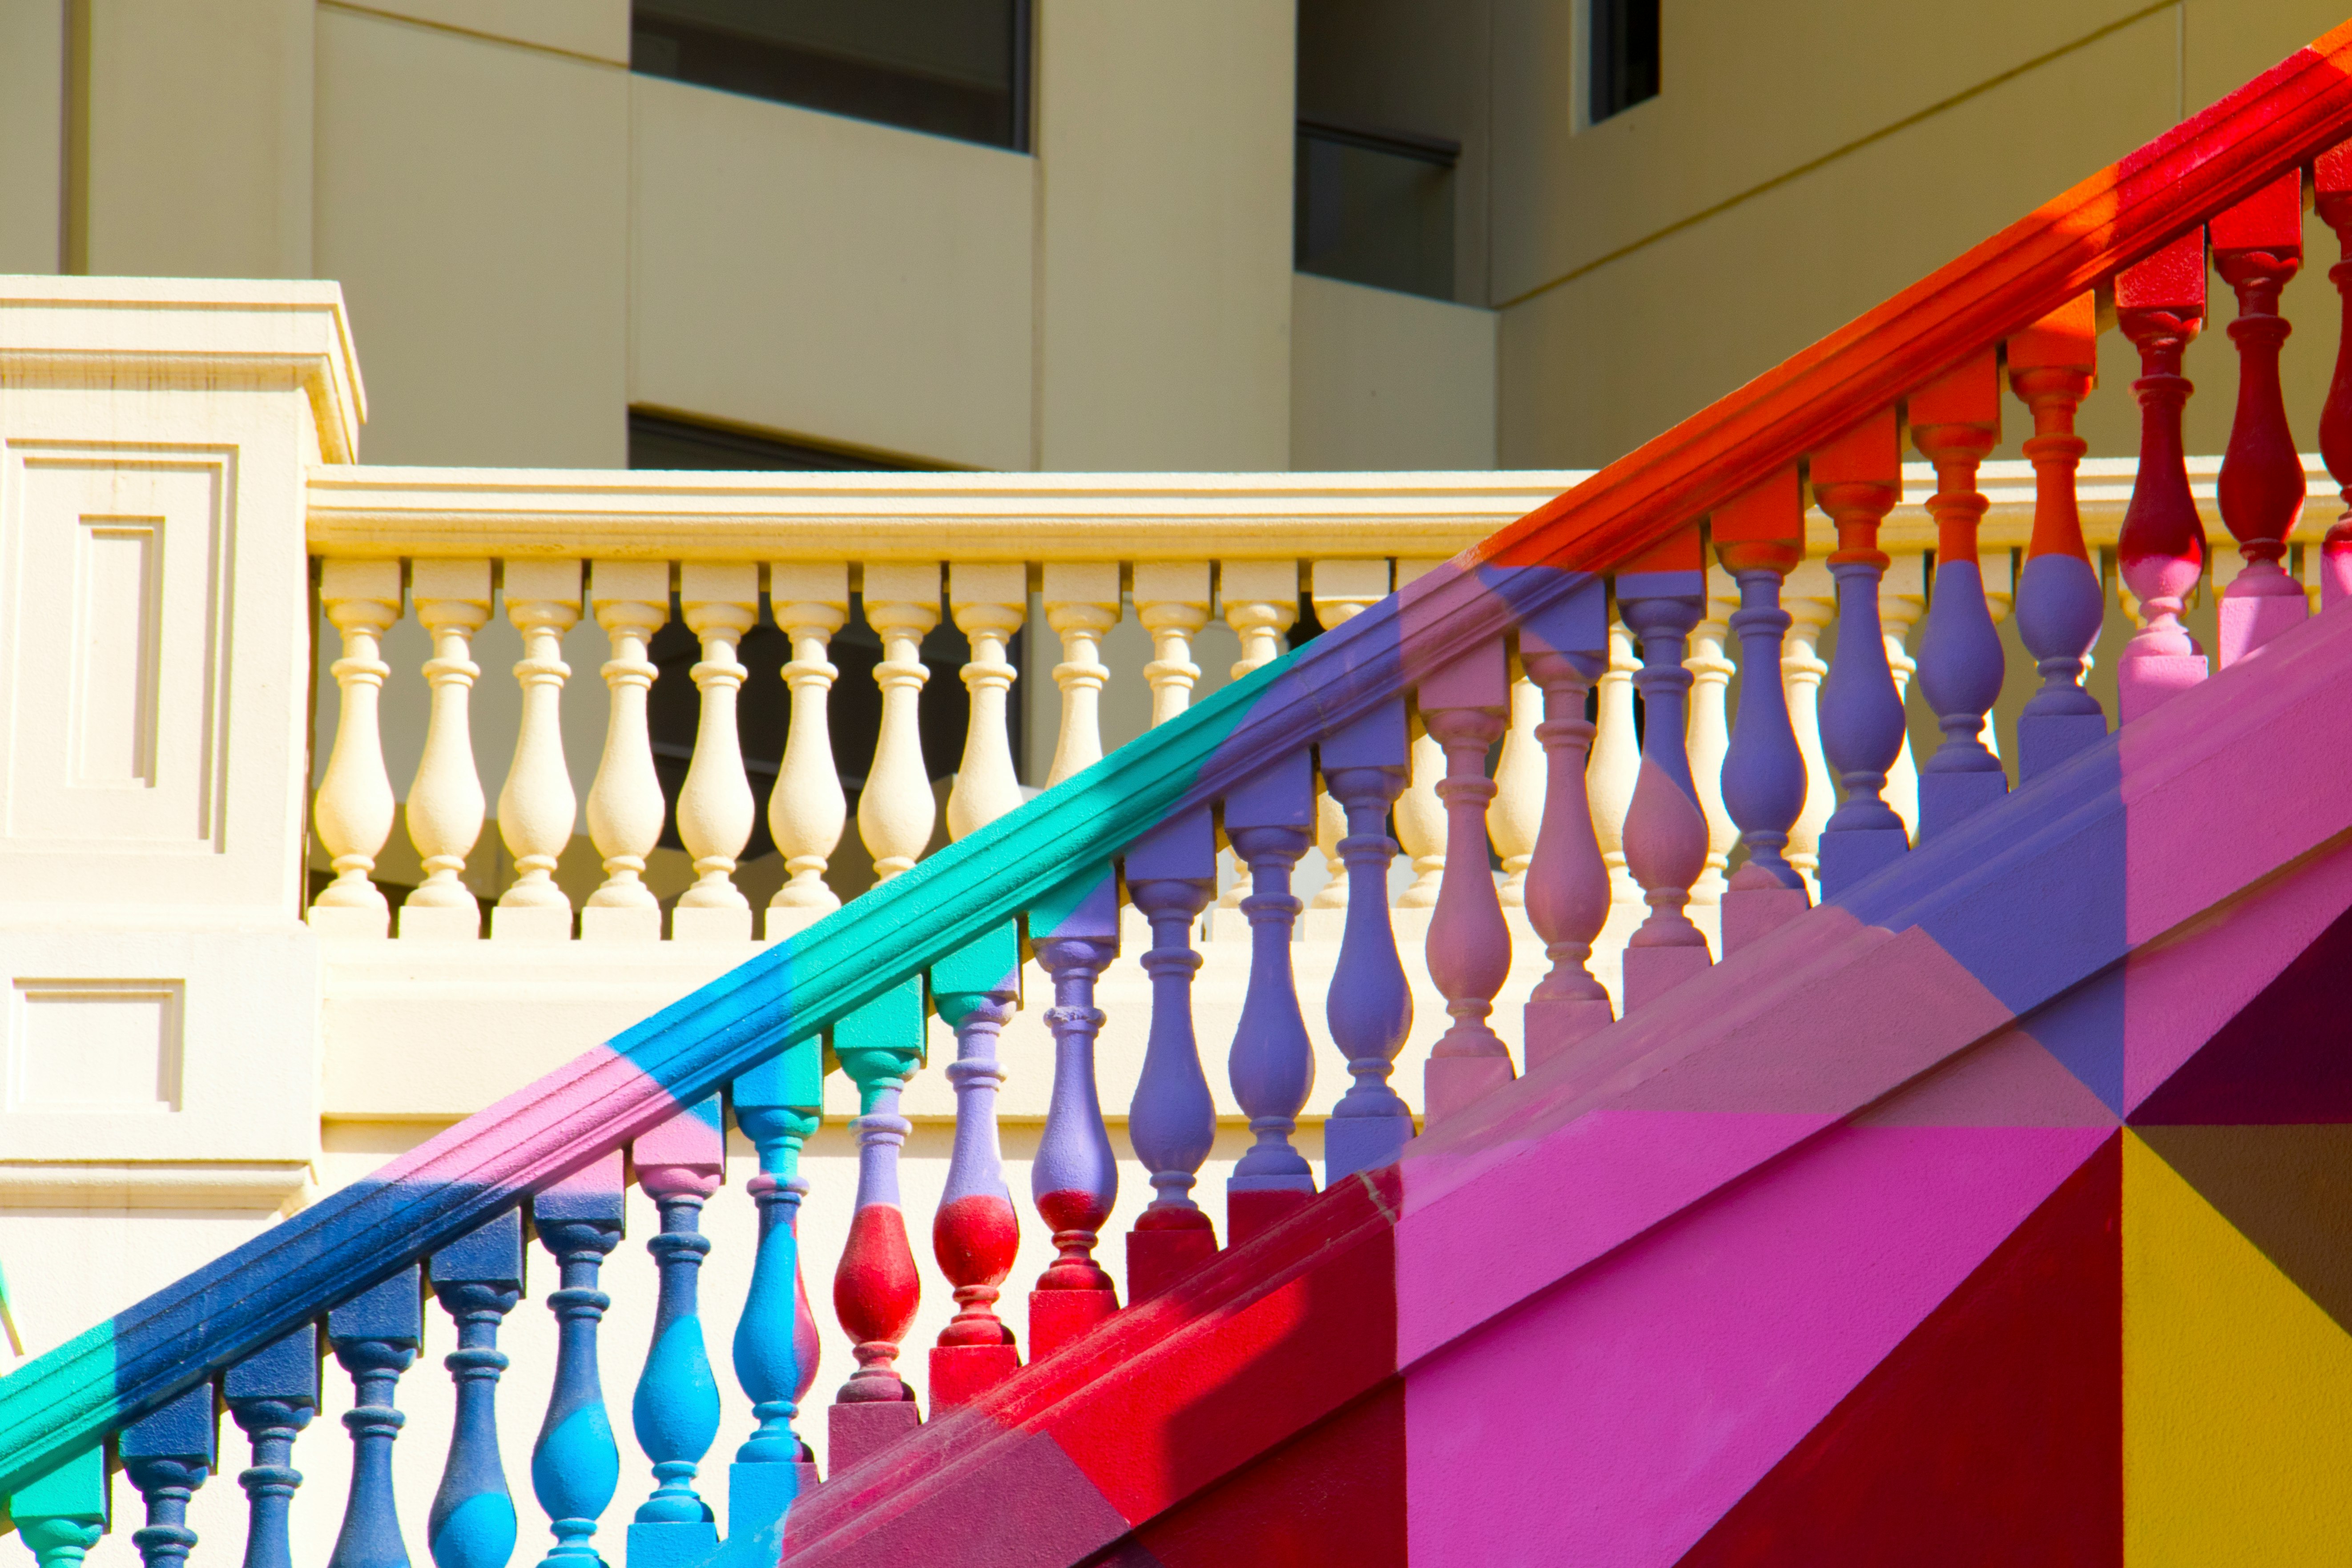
[
  {"x": 1624, "y": 54},
  {"x": 953, "y": 67},
  {"x": 1375, "y": 207},
  {"x": 657, "y": 441}
]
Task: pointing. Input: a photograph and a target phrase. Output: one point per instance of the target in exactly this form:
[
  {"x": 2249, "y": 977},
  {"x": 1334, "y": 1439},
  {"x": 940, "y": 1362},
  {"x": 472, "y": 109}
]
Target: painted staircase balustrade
[
  {"x": 806, "y": 810},
  {"x": 61, "y": 1513},
  {"x": 895, "y": 811},
  {"x": 2332, "y": 197},
  {"x": 1074, "y": 1179},
  {"x": 272, "y": 1395},
  {"x": 1902, "y": 601},
  {"x": 355, "y": 805},
  {"x": 1516, "y": 815},
  {"x": 1662, "y": 597},
  {"x": 1955, "y": 423},
  {"x": 1810, "y": 597},
  {"x": 1421, "y": 820},
  {"x": 375, "y": 1337},
  {"x": 1261, "y": 603},
  {"x": 1172, "y": 602},
  {"x": 1469, "y": 945},
  {"x": 674, "y": 1411},
  {"x": 876, "y": 1289},
  {"x": 536, "y": 806},
  {"x": 2160, "y": 307},
  {"x": 168, "y": 1454},
  {"x": 1709, "y": 733},
  {"x": 1171, "y": 876},
  {"x": 1081, "y": 603},
  {"x": 1615, "y": 768},
  {"x": 2061, "y": 603},
  {"x": 478, "y": 1280},
  {"x": 1568, "y": 883},
  {"x": 1270, "y": 818},
  {"x": 976, "y": 1235},
  {"x": 575, "y": 1465},
  {"x": 1856, "y": 478},
  {"x": 1340, "y": 591},
  {"x": 988, "y": 604},
  {"x": 2257, "y": 249},
  {"x": 1370, "y": 1006},
  {"x": 777, "y": 1106},
  {"x": 1759, "y": 537},
  {"x": 630, "y": 599},
  {"x": 714, "y": 805},
  {"x": 444, "y": 804}
]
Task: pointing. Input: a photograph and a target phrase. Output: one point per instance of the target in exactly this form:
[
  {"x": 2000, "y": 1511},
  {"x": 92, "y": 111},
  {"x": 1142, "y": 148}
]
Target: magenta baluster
[
  {"x": 1565, "y": 649},
  {"x": 2060, "y": 603},
  {"x": 1857, "y": 478},
  {"x": 876, "y": 1290},
  {"x": 2258, "y": 247},
  {"x": 2160, "y": 305},
  {"x": 2333, "y": 178},
  {"x": 1760, "y": 536},
  {"x": 1075, "y": 1177},
  {"x": 1171, "y": 876},
  {"x": 1955, "y": 422},
  {"x": 1270, "y": 819},
  {"x": 977, "y": 1234},
  {"x": 1665, "y": 831},
  {"x": 1369, "y": 1008},
  {"x": 1462, "y": 706}
]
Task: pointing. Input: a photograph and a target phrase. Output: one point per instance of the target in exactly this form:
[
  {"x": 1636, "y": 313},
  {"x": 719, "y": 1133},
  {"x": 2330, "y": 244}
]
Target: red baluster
[
  {"x": 876, "y": 1290},
  {"x": 2160, "y": 305},
  {"x": 2333, "y": 178},
  {"x": 2258, "y": 247}
]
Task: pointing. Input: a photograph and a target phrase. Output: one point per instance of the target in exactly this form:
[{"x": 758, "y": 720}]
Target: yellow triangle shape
[{"x": 2237, "y": 1392}]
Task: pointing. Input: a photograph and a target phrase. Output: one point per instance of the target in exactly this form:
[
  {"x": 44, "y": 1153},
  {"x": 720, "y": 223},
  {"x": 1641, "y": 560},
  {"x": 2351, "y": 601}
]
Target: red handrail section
[{"x": 2283, "y": 120}]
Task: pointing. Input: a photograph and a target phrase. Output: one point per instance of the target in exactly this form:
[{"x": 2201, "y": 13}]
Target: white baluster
[
  {"x": 354, "y": 806},
  {"x": 806, "y": 810},
  {"x": 445, "y": 803},
  {"x": 1340, "y": 590},
  {"x": 1081, "y": 602},
  {"x": 714, "y": 805},
  {"x": 1261, "y": 602},
  {"x": 1614, "y": 769},
  {"x": 1708, "y": 736},
  {"x": 896, "y": 811},
  {"x": 1172, "y": 600},
  {"x": 1902, "y": 601},
  {"x": 989, "y": 603},
  {"x": 1811, "y": 599},
  {"x": 1515, "y": 815},
  {"x": 1419, "y": 815},
  {"x": 537, "y": 808},
  {"x": 630, "y": 599}
]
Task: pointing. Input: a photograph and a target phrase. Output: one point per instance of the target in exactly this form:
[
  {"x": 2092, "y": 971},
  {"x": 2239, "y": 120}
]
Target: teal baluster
[
  {"x": 775, "y": 1348},
  {"x": 376, "y": 1335},
  {"x": 575, "y": 1465},
  {"x": 273, "y": 1393},
  {"x": 676, "y": 1411},
  {"x": 478, "y": 1280},
  {"x": 61, "y": 1515},
  {"x": 168, "y": 1453}
]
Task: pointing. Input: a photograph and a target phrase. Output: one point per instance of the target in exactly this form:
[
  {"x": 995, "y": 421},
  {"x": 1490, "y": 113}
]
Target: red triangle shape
[{"x": 1992, "y": 1434}]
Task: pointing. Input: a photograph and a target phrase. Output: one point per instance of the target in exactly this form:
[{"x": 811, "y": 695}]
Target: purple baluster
[
  {"x": 1463, "y": 706},
  {"x": 1665, "y": 831},
  {"x": 1857, "y": 478},
  {"x": 1760, "y": 537},
  {"x": 1369, "y": 1008},
  {"x": 1271, "y": 821},
  {"x": 1565, "y": 650},
  {"x": 1075, "y": 1178},
  {"x": 1171, "y": 876},
  {"x": 976, "y": 1234},
  {"x": 1955, "y": 422},
  {"x": 2060, "y": 602},
  {"x": 167, "y": 1453}
]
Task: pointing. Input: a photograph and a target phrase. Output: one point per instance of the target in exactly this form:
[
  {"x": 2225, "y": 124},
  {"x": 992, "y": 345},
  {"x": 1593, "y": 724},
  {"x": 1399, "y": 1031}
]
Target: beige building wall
[
  {"x": 32, "y": 135},
  {"x": 1383, "y": 379}
]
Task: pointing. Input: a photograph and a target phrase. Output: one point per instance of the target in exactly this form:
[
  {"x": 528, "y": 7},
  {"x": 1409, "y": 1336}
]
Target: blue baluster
[
  {"x": 273, "y": 1393},
  {"x": 1857, "y": 479},
  {"x": 776, "y": 1105},
  {"x": 575, "y": 1465},
  {"x": 61, "y": 1513},
  {"x": 1171, "y": 876},
  {"x": 1760, "y": 536},
  {"x": 478, "y": 1281},
  {"x": 167, "y": 1453},
  {"x": 976, "y": 1234},
  {"x": 1955, "y": 422},
  {"x": 2060, "y": 603},
  {"x": 1271, "y": 821},
  {"x": 375, "y": 1335},
  {"x": 1370, "y": 1006},
  {"x": 676, "y": 1411},
  {"x": 1075, "y": 1177},
  {"x": 876, "y": 1289}
]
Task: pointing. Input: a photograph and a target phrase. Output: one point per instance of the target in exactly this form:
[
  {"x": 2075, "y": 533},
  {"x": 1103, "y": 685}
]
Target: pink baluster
[
  {"x": 2258, "y": 247},
  {"x": 2333, "y": 178},
  {"x": 1760, "y": 536},
  {"x": 2061, "y": 603},
  {"x": 1661, "y": 596},
  {"x": 1565, "y": 649},
  {"x": 2160, "y": 305},
  {"x": 1469, "y": 947}
]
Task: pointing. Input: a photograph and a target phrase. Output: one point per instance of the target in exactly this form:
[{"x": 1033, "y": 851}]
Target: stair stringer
[{"x": 2230, "y": 798}]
